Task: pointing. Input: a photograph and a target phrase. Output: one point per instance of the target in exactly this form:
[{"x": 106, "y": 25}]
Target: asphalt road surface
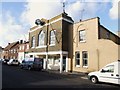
[{"x": 14, "y": 77}]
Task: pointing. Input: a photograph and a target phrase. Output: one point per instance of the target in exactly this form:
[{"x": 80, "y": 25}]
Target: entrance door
[{"x": 64, "y": 63}]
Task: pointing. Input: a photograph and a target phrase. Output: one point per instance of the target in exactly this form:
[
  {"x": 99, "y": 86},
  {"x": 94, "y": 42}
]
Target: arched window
[
  {"x": 41, "y": 38},
  {"x": 52, "y": 37}
]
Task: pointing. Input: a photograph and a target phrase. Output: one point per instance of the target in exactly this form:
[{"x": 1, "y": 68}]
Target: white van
[{"x": 110, "y": 74}]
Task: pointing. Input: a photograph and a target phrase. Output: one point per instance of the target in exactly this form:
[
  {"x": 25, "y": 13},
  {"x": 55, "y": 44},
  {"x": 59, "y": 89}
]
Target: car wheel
[{"x": 94, "y": 79}]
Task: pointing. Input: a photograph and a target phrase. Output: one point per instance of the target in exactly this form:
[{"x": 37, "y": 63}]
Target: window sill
[
  {"x": 41, "y": 46},
  {"x": 52, "y": 45},
  {"x": 32, "y": 47},
  {"x": 77, "y": 66},
  {"x": 85, "y": 66},
  {"x": 82, "y": 41}
]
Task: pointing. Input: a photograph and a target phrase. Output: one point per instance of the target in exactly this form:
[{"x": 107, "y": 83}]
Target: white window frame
[
  {"x": 85, "y": 58},
  {"x": 41, "y": 38},
  {"x": 82, "y": 36},
  {"x": 27, "y": 46},
  {"x": 23, "y": 47},
  {"x": 14, "y": 50},
  {"x": 52, "y": 37},
  {"x": 77, "y": 58},
  {"x": 20, "y": 48},
  {"x": 11, "y": 50}
]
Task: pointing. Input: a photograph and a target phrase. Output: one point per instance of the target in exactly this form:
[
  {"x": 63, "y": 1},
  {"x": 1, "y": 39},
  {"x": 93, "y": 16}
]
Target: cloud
[
  {"x": 10, "y": 30},
  {"x": 35, "y": 9},
  {"x": 114, "y": 10},
  {"x": 47, "y": 9},
  {"x": 84, "y": 10},
  {"x": 43, "y": 9}
]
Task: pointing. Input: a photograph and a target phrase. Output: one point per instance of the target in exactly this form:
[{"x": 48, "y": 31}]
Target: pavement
[{"x": 74, "y": 74}]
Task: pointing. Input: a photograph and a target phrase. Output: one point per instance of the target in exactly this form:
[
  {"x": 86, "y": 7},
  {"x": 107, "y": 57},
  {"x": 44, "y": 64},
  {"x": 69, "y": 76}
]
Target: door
[
  {"x": 64, "y": 63},
  {"x": 107, "y": 74}
]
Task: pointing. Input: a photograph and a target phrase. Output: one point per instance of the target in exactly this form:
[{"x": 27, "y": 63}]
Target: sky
[{"x": 16, "y": 18}]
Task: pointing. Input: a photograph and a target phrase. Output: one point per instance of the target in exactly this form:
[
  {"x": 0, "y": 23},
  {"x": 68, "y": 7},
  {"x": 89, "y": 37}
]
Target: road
[{"x": 14, "y": 77}]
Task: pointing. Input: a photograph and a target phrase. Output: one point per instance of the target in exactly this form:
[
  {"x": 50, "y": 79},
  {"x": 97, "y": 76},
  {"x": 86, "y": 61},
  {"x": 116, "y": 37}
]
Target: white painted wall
[{"x": 20, "y": 56}]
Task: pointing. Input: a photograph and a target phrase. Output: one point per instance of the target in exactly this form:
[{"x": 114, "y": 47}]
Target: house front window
[
  {"x": 77, "y": 59},
  {"x": 27, "y": 46},
  {"x": 20, "y": 48},
  {"x": 33, "y": 41},
  {"x": 52, "y": 37},
  {"x": 82, "y": 37},
  {"x": 41, "y": 38},
  {"x": 85, "y": 58}
]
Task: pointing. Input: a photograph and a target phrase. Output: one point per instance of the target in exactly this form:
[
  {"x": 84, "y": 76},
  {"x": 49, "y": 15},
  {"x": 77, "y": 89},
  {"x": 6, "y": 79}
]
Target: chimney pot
[{"x": 21, "y": 41}]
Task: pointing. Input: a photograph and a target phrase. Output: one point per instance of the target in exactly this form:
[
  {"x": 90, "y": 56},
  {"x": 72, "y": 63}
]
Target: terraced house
[
  {"x": 52, "y": 42},
  {"x": 67, "y": 46},
  {"x": 11, "y": 51},
  {"x": 23, "y": 50}
]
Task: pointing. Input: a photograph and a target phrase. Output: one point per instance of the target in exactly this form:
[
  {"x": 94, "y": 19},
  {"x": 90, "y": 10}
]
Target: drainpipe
[
  {"x": 61, "y": 62},
  {"x": 98, "y": 58},
  {"x": 47, "y": 43}
]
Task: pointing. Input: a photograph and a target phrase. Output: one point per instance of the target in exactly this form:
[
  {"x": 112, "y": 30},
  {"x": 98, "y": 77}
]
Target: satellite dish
[{"x": 39, "y": 22}]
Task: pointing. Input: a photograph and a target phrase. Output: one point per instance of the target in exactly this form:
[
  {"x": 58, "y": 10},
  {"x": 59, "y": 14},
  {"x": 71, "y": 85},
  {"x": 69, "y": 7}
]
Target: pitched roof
[{"x": 9, "y": 46}]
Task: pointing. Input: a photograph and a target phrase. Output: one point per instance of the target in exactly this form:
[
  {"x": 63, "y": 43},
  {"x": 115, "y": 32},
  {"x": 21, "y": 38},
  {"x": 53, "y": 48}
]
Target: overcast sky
[{"x": 16, "y": 18}]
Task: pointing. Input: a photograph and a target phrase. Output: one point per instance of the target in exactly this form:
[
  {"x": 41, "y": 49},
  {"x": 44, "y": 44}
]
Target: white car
[
  {"x": 110, "y": 74},
  {"x": 13, "y": 62}
]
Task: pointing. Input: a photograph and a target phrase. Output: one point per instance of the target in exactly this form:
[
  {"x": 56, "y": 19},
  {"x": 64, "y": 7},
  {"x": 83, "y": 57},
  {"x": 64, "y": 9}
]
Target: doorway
[{"x": 64, "y": 63}]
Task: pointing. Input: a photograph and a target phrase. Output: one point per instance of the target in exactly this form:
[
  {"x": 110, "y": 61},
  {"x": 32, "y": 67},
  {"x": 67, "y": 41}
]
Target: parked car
[
  {"x": 5, "y": 61},
  {"x": 30, "y": 65},
  {"x": 13, "y": 62},
  {"x": 110, "y": 74}
]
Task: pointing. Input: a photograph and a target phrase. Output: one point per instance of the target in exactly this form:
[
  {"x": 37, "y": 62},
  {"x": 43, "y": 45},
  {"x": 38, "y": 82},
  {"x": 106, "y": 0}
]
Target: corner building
[
  {"x": 63, "y": 45},
  {"x": 53, "y": 42}
]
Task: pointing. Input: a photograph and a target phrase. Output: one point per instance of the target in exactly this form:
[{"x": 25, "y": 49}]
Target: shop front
[{"x": 54, "y": 60}]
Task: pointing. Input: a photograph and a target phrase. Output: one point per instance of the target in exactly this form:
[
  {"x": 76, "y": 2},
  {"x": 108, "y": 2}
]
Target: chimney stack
[{"x": 21, "y": 41}]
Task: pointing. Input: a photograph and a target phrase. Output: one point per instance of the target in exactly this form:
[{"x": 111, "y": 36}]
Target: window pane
[
  {"x": 84, "y": 54},
  {"x": 85, "y": 58},
  {"x": 41, "y": 38},
  {"x": 77, "y": 55},
  {"x": 77, "y": 58},
  {"x": 52, "y": 36},
  {"x": 82, "y": 35}
]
